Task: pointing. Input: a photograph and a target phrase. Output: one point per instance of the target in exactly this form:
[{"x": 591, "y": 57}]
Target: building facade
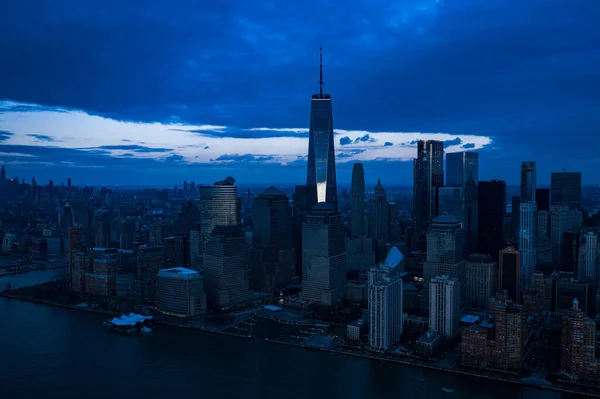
[
  {"x": 444, "y": 307},
  {"x": 180, "y": 292}
]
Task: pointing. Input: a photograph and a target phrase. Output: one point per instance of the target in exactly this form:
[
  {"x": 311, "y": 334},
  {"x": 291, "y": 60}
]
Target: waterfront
[{"x": 56, "y": 352}]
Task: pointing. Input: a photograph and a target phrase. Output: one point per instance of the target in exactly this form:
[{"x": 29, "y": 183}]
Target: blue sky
[{"x": 153, "y": 92}]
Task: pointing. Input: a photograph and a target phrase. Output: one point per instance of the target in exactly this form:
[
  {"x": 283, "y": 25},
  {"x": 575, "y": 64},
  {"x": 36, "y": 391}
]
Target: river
[{"x": 51, "y": 352}]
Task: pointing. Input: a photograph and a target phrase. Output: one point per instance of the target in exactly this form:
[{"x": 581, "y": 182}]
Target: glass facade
[
  {"x": 321, "y": 152},
  {"x": 565, "y": 189}
]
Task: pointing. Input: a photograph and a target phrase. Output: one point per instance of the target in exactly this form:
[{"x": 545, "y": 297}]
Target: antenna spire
[{"x": 321, "y": 73}]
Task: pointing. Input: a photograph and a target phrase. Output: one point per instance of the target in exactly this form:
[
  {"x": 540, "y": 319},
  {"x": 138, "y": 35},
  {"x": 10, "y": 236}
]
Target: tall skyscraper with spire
[
  {"x": 357, "y": 215},
  {"x": 321, "y": 153},
  {"x": 527, "y": 224}
]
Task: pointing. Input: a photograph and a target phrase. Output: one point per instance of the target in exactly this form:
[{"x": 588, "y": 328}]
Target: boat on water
[{"x": 131, "y": 323}]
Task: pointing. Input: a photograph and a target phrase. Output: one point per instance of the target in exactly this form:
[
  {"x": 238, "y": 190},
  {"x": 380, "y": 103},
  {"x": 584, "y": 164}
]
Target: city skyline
[{"x": 189, "y": 106}]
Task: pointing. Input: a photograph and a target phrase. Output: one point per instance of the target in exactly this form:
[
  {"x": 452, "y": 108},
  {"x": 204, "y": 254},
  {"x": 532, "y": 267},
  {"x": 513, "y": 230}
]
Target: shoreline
[
  {"x": 437, "y": 368},
  {"x": 471, "y": 373}
]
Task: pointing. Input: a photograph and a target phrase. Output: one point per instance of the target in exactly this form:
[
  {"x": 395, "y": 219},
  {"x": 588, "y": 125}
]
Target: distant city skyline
[{"x": 190, "y": 92}]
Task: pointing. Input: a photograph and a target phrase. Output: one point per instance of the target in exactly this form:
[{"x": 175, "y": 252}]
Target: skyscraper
[
  {"x": 562, "y": 220},
  {"x": 357, "y": 215},
  {"x": 542, "y": 197},
  {"x": 428, "y": 173},
  {"x": 180, "y": 292},
  {"x": 321, "y": 152},
  {"x": 380, "y": 214},
  {"x": 385, "y": 301},
  {"x": 226, "y": 267},
  {"x": 451, "y": 202},
  {"x": 304, "y": 198},
  {"x": 273, "y": 255},
  {"x": 587, "y": 258},
  {"x": 481, "y": 280},
  {"x": 323, "y": 255},
  {"x": 528, "y": 242},
  {"x": 444, "y": 307},
  {"x": 461, "y": 167},
  {"x": 445, "y": 253},
  {"x": 509, "y": 274},
  {"x": 492, "y": 205},
  {"x": 528, "y": 181},
  {"x": 528, "y": 223},
  {"x": 578, "y": 345},
  {"x": 219, "y": 206},
  {"x": 565, "y": 189}
]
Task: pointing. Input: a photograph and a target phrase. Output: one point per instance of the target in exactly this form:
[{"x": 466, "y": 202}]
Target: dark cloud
[
  {"x": 133, "y": 147},
  {"x": 345, "y": 140},
  {"x": 245, "y": 133},
  {"x": 388, "y": 144},
  {"x": 456, "y": 141},
  {"x": 42, "y": 137},
  {"x": 468, "y": 146},
  {"x": 175, "y": 158},
  {"x": 4, "y": 135},
  {"x": 365, "y": 138},
  {"x": 243, "y": 158},
  {"x": 206, "y": 147}
]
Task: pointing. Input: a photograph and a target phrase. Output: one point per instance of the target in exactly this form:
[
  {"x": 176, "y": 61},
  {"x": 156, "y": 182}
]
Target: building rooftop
[
  {"x": 393, "y": 258},
  {"x": 469, "y": 318},
  {"x": 445, "y": 219},
  {"x": 274, "y": 191}
]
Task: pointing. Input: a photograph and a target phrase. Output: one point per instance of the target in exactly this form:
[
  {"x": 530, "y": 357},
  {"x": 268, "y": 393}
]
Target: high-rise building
[
  {"x": 102, "y": 231},
  {"x": 528, "y": 182},
  {"x": 481, "y": 280},
  {"x": 385, "y": 301},
  {"x": 323, "y": 255},
  {"x": 428, "y": 174},
  {"x": 451, "y": 202},
  {"x": 195, "y": 247},
  {"x": 509, "y": 274},
  {"x": 444, "y": 307},
  {"x": 492, "y": 206},
  {"x": 463, "y": 171},
  {"x": 542, "y": 198},
  {"x": 569, "y": 252},
  {"x": 543, "y": 226},
  {"x": 528, "y": 242},
  {"x": 304, "y": 198},
  {"x": 509, "y": 333},
  {"x": 578, "y": 346},
  {"x": 321, "y": 152},
  {"x": 226, "y": 280},
  {"x": 273, "y": 256},
  {"x": 565, "y": 189},
  {"x": 219, "y": 206},
  {"x": 587, "y": 258},
  {"x": 126, "y": 233},
  {"x": 180, "y": 292},
  {"x": 445, "y": 254},
  {"x": 357, "y": 215},
  {"x": 563, "y": 220},
  {"x": 380, "y": 214}
]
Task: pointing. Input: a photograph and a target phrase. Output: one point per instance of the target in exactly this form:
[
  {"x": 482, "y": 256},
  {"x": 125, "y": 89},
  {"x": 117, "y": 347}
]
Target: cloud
[
  {"x": 450, "y": 143},
  {"x": 365, "y": 138},
  {"x": 388, "y": 144},
  {"x": 468, "y": 146},
  {"x": 175, "y": 158},
  {"x": 4, "y": 135},
  {"x": 243, "y": 158},
  {"x": 42, "y": 137},
  {"x": 206, "y": 147},
  {"x": 135, "y": 148},
  {"x": 345, "y": 140}
]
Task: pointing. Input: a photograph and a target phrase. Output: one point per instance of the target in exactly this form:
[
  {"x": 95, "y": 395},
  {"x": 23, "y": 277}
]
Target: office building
[
  {"x": 218, "y": 206},
  {"x": 528, "y": 242},
  {"x": 463, "y": 171},
  {"x": 578, "y": 347},
  {"x": 565, "y": 189},
  {"x": 180, "y": 292},
  {"x": 226, "y": 281},
  {"x": 588, "y": 254},
  {"x": 543, "y": 226},
  {"x": 428, "y": 174},
  {"x": 380, "y": 214},
  {"x": 323, "y": 256},
  {"x": 569, "y": 252},
  {"x": 357, "y": 213},
  {"x": 385, "y": 301},
  {"x": 509, "y": 340},
  {"x": 102, "y": 230},
  {"x": 509, "y": 273},
  {"x": 481, "y": 280},
  {"x": 126, "y": 233},
  {"x": 451, "y": 202},
  {"x": 321, "y": 152},
  {"x": 492, "y": 206},
  {"x": 304, "y": 198},
  {"x": 563, "y": 220},
  {"x": 542, "y": 198},
  {"x": 196, "y": 247},
  {"x": 177, "y": 251},
  {"x": 444, "y": 307},
  {"x": 273, "y": 254},
  {"x": 445, "y": 254},
  {"x": 528, "y": 182}
]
